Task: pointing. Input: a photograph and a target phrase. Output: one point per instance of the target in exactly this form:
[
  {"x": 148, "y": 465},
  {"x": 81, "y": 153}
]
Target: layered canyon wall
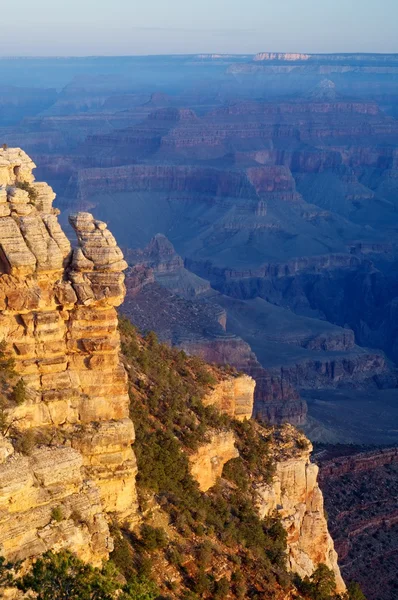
[
  {"x": 59, "y": 322},
  {"x": 295, "y": 495},
  {"x": 360, "y": 490}
]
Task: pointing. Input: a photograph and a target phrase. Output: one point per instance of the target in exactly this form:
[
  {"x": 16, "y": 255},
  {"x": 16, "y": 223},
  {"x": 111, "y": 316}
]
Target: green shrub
[
  {"x": 64, "y": 576},
  {"x": 166, "y": 391},
  {"x": 57, "y": 514},
  {"x": 25, "y": 185},
  {"x": 6, "y": 575},
  {"x": 221, "y": 589},
  {"x": 174, "y": 556},
  {"x": 239, "y": 585},
  {"x": 7, "y": 364},
  {"x": 140, "y": 589},
  {"x": 354, "y": 591},
  {"x": 302, "y": 444},
  {"x": 202, "y": 583},
  {"x": 235, "y": 471},
  {"x": 153, "y": 538},
  {"x": 253, "y": 443},
  {"x": 205, "y": 554},
  {"x": 320, "y": 586},
  {"x": 18, "y": 394}
]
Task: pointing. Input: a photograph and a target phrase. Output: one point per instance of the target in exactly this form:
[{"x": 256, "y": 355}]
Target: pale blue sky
[{"x": 87, "y": 27}]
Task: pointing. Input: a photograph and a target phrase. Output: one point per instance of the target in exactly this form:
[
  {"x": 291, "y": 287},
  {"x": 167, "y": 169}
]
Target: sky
[{"x": 125, "y": 27}]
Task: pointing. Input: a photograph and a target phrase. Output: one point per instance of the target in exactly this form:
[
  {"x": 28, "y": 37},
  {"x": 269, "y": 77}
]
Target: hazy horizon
[
  {"x": 182, "y": 54},
  {"x": 123, "y": 28}
]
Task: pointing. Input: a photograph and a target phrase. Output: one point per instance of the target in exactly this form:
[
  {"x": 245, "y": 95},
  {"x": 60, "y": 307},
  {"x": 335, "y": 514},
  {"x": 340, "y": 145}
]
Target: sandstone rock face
[
  {"x": 58, "y": 319},
  {"x": 233, "y": 396},
  {"x": 47, "y": 503},
  {"x": 295, "y": 495},
  {"x": 208, "y": 462}
]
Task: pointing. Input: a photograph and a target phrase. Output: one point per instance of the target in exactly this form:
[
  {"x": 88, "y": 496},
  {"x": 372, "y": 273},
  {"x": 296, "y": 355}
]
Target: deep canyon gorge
[{"x": 254, "y": 204}]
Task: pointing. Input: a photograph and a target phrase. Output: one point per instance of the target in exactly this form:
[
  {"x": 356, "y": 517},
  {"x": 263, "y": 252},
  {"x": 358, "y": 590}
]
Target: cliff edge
[
  {"x": 59, "y": 323},
  {"x": 67, "y": 467}
]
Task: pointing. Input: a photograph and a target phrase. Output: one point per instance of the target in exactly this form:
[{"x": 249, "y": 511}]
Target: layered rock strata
[
  {"x": 295, "y": 496},
  {"x": 59, "y": 323},
  {"x": 360, "y": 490},
  {"x": 233, "y": 396}
]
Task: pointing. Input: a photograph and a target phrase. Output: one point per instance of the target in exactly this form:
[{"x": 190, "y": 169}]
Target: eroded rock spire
[{"x": 59, "y": 322}]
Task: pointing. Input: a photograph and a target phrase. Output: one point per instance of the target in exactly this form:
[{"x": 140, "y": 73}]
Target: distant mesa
[
  {"x": 359, "y": 57},
  {"x": 281, "y": 56}
]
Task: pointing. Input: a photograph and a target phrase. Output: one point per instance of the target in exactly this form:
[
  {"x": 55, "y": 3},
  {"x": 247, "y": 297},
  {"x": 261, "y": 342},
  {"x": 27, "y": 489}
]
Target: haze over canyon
[{"x": 255, "y": 201}]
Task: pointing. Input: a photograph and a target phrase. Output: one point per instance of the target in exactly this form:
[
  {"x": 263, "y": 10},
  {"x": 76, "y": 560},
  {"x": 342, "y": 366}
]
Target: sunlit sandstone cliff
[
  {"x": 295, "y": 494},
  {"x": 58, "y": 319}
]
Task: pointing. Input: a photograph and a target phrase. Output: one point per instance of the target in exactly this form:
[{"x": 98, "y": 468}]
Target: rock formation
[
  {"x": 233, "y": 396},
  {"x": 59, "y": 322},
  {"x": 66, "y": 460},
  {"x": 208, "y": 461},
  {"x": 295, "y": 495},
  {"x": 163, "y": 264}
]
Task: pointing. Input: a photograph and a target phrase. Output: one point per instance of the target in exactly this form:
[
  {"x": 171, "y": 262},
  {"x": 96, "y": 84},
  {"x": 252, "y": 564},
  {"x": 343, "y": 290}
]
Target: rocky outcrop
[
  {"x": 295, "y": 495},
  {"x": 233, "y": 396},
  {"x": 208, "y": 461},
  {"x": 175, "y": 319},
  {"x": 360, "y": 368},
  {"x": 357, "y": 463},
  {"x": 47, "y": 502},
  {"x": 273, "y": 181},
  {"x": 255, "y": 280},
  {"x": 304, "y": 68},
  {"x": 18, "y": 101},
  {"x": 159, "y": 255},
  {"x": 59, "y": 323},
  {"x": 275, "y": 399}
]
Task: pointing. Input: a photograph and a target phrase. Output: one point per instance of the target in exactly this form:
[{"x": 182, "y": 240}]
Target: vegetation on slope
[
  {"x": 210, "y": 545},
  {"x": 203, "y": 530},
  {"x": 190, "y": 544}
]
